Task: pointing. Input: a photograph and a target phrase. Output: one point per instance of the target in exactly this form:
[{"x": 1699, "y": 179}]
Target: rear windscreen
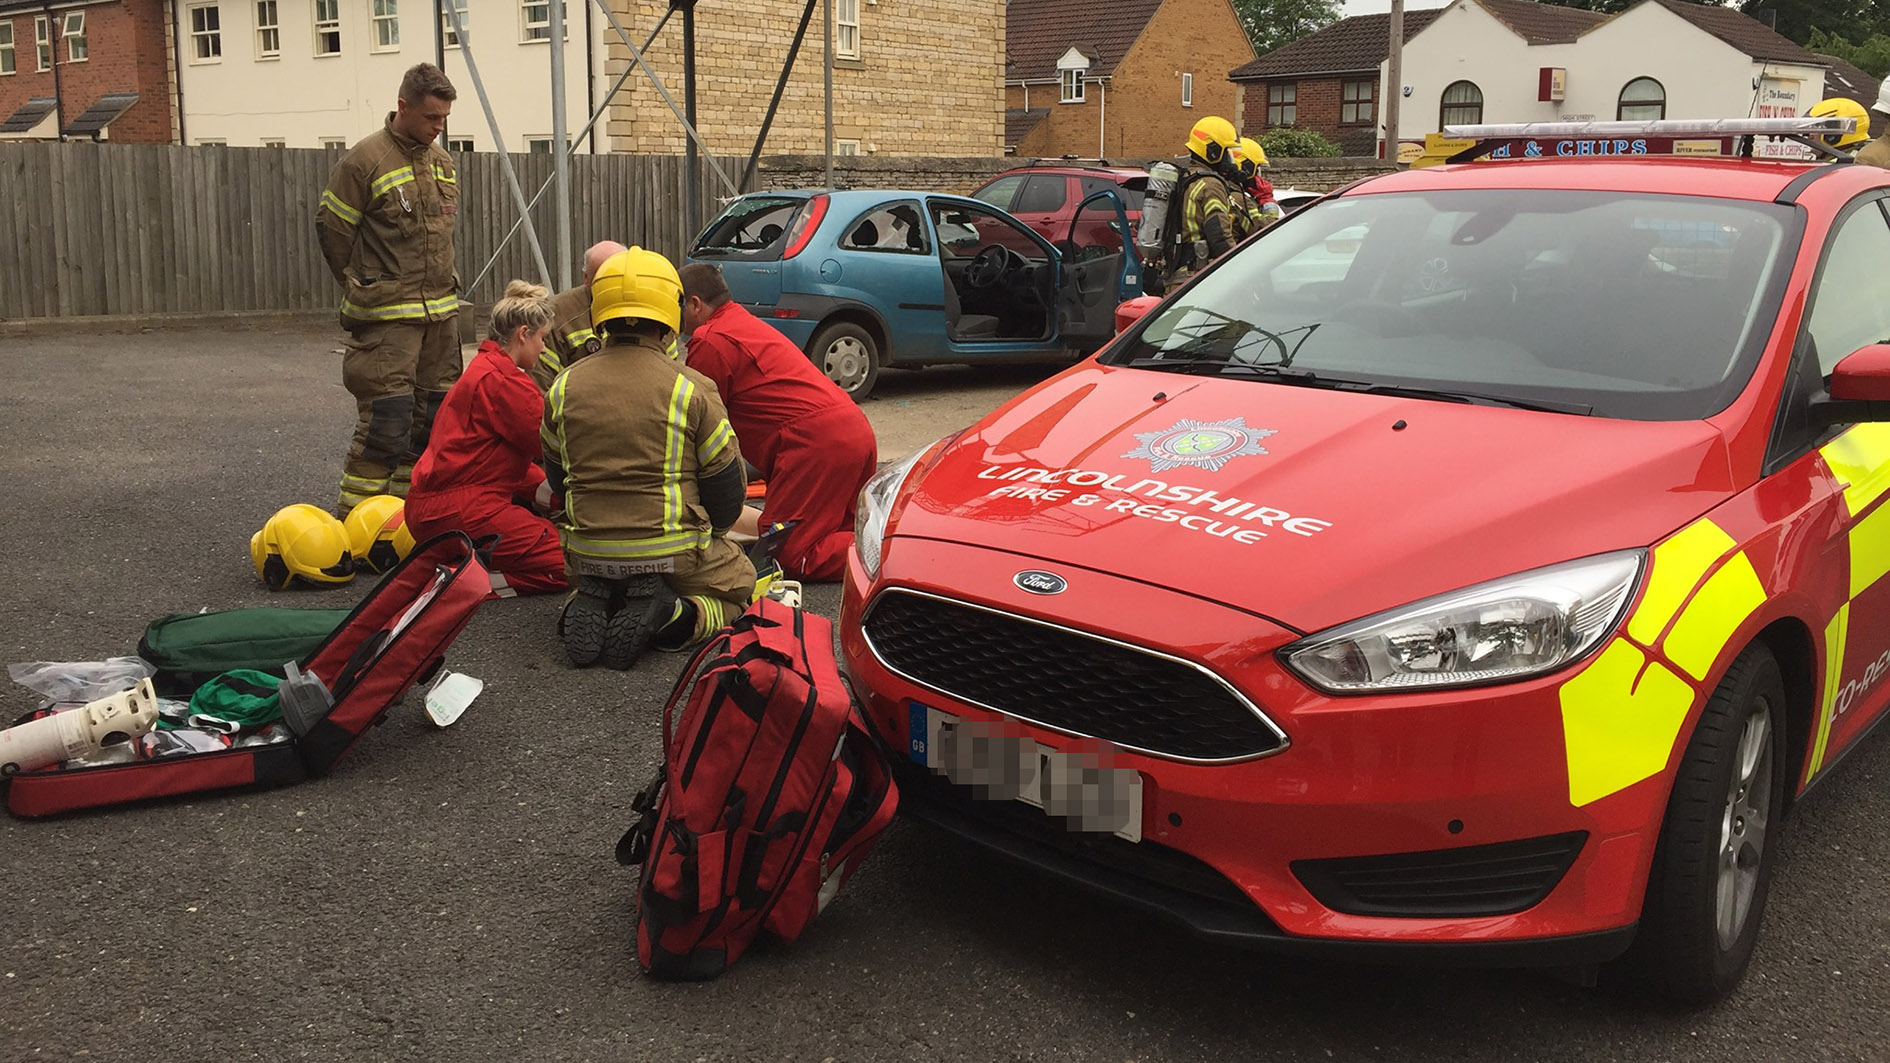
[{"x": 753, "y": 226}]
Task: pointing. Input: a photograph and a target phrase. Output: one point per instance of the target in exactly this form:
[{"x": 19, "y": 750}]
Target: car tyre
[
  {"x": 1713, "y": 864},
  {"x": 848, "y": 355}
]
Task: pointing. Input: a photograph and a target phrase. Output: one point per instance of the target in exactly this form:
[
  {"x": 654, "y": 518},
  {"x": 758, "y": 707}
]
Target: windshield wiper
[
  {"x": 1203, "y": 366},
  {"x": 1544, "y": 405}
]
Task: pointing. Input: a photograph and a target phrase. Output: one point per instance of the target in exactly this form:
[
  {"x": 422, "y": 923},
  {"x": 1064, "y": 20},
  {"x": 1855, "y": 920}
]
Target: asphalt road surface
[{"x": 451, "y": 894}]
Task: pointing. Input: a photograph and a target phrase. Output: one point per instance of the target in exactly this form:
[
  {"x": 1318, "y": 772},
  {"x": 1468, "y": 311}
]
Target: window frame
[
  {"x": 332, "y": 143},
  {"x": 528, "y": 29},
  {"x": 1621, "y": 102},
  {"x": 78, "y": 47},
  {"x": 9, "y": 54},
  {"x": 206, "y": 44},
  {"x": 846, "y": 148},
  {"x": 448, "y": 38},
  {"x": 843, "y": 48},
  {"x": 42, "y": 43},
  {"x": 538, "y": 144},
  {"x": 1071, "y": 86},
  {"x": 1364, "y": 110},
  {"x": 325, "y": 28},
  {"x": 917, "y": 219},
  {"x": 1187, "y": 90},
  {"x": 275, "y": 142},
  {"x": 268, "y": 31},
  {"x": 1445, "y": 106},
  {"x": 384, "y": 35},
  {"x": 1282, "y": 104}
]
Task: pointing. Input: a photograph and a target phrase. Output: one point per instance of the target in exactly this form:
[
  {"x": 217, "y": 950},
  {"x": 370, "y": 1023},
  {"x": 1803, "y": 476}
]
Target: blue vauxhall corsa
[{"x": 861, "y": 279}]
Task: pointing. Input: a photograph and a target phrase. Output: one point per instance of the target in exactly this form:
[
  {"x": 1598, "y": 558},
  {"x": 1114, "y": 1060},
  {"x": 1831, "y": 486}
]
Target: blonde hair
[{"x": 524, "y": 304}]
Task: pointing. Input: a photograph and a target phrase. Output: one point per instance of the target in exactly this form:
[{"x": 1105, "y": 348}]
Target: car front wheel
[
  {"x": 1713, "y": 864},
  {"x": 847, "y": 354}
]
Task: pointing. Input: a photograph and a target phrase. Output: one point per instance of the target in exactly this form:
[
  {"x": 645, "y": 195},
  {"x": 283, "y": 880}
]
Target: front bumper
[{"x": 1235, "y": 849}]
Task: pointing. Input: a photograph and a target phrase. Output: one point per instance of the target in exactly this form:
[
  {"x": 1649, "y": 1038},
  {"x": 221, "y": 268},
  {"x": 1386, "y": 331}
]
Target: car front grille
[
  {"x": 1066, "y": 680},
  {"x": 1475, "y": 880}
]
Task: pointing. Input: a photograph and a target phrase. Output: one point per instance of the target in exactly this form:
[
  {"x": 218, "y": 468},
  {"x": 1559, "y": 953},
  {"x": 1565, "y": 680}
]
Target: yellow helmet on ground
[
  {"x": 1211, "y": 139},
  {"x": 1839, "y": 107},
  {"x": 377, "y": 533},
  {"x": 1251, "y": 155},
  {"x": 301, "y": 541},
  {"x": 637, "y": 283}
]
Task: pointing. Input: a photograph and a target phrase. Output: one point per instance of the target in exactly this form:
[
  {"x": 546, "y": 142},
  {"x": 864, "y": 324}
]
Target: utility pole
[
  {"x": 560, "y": 147},
  {"x": 1394, "y": 80}
]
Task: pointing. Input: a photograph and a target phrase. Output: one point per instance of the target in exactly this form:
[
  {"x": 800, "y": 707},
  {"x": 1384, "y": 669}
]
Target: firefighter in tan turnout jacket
[
  {"x": 652, "y": 478},
  {"x": 385, "y": 223}
]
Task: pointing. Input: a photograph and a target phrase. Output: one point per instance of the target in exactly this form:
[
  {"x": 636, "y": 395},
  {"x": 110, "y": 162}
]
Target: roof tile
[
  {"x": 1038, "y": 32},
  {"x": 1740, "y": 30},
  {"x": 1348, "y": 45}
]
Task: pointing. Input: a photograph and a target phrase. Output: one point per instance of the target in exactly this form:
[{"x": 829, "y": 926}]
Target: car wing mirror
[
  {"x": 1134, "y": 310},
  {"x": 1859, "y": 389}
]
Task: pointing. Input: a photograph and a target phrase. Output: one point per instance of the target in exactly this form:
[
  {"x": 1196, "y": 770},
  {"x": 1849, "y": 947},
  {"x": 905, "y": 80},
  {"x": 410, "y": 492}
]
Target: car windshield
[
  {"x": 749, "y": 224},
  {"x": 1641, "y": 307}
]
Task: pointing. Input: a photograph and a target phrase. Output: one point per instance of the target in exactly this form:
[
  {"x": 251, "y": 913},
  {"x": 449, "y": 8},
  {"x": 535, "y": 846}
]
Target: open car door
[{"x": 1100, "y": 270}]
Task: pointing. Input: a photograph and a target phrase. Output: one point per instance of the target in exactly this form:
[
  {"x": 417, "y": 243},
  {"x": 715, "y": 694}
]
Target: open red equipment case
[{"x": 395, "y": 638}]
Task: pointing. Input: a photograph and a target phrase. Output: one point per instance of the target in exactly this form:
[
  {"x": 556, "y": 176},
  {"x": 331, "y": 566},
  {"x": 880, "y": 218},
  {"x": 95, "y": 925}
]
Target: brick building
[
  {"x": 1117, "y": 78},
  {"x": 912, "y": 77},
  {"x": 1327, "y": 81},
  {"x": 88, "y": 69}
]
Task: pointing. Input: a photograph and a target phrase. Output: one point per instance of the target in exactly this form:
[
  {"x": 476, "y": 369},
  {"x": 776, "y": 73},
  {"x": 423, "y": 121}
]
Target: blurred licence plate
[{"x": 999, "y": 762}]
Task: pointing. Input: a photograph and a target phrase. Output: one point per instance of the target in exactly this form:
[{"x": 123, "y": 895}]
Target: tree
[
  {"x": 1872, "y": 56},
  {"x": 1853, "y": 20},
  {"x": 1272, "y": 24}
]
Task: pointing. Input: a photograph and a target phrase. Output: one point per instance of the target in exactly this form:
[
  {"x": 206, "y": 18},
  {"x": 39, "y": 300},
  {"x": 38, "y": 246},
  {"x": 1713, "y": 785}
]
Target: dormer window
[{"x": 1070, "y": 71}]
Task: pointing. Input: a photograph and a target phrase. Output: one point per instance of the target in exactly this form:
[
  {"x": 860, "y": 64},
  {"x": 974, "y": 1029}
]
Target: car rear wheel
[
  {"x": 847, "y": 354},
  {"x": 1713, "y": 864}
]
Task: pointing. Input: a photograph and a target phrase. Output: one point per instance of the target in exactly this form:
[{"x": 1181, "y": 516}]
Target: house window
[
  {"x": 268, "y": 30},
  {"x": 1642, "y": 99},
  {"x": 210, "y": 143},
  {"x": 334, "y": 143},
  {"x": 1282, "y": 104},
  {"x": 1072, "y": 86},
  {"x": 42, "y": 40},
  {"x": 74, "y": 33},
  {"x": 6, "y": 47},
  {"x": 459, "y": 145},
  {"x": 537, "y": 18},
  {"x": 538, "y": 145},
  {"x": 275, "y": 142},
  {"x": 1187, "y": 90},
  {"x": 386, "y": 25},
  {"x": 327, "y": 27},
  {"x": 846, "y": 29},
  {"x": 846, "y": 147},
  {"x": 1462, "y": 104},
  {"x": 447, "y": 36},
  {"x": 1355, "y": 102},
  {"x": 206, "y": 34}
]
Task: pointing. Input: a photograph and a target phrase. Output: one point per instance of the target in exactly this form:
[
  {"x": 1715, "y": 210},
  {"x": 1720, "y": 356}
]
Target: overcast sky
[{"x": 1379, "y": 7}]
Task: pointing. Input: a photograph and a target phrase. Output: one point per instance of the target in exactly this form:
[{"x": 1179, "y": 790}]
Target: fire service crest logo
[{"x": 1201, "y": 444}]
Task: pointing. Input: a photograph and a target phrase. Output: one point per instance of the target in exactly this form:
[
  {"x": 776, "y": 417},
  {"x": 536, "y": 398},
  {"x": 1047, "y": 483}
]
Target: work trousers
[
  {"x": 524, "y": 558},
  {"x": 819, "y": 468},
  {"x": 398, "y": 373}
]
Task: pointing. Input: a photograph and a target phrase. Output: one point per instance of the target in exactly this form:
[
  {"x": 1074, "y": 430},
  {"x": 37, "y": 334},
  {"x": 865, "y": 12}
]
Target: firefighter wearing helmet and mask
[
  {"x": 641, "y": 449},
  {"x": 1187, "y": 220},
  {"x": 1253, "y": 205},
  {"x": 1873, "y": 152}
]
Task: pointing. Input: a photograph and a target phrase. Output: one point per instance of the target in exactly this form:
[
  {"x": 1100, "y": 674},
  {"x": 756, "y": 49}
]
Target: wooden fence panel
[{"x": 104, "y": 229}]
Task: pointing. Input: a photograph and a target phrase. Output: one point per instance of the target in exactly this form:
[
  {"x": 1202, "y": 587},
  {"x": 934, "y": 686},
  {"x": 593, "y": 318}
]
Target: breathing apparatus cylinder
[
  {"x": 1151, "y": 232},
  {"x": 79, "y": 732}
]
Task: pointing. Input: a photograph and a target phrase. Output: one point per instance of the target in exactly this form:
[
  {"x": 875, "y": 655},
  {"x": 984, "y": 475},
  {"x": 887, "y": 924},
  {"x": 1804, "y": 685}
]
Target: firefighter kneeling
[{"x": 652, "y": 477}]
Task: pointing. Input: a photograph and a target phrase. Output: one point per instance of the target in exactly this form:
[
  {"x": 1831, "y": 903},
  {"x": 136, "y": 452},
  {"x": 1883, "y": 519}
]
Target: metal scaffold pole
[
  {"x": 498, "y": 140},
  {"x": 560, "y": 146}
]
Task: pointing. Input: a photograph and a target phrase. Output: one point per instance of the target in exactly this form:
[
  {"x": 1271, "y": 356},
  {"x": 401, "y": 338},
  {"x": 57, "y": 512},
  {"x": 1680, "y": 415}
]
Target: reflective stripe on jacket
[
  {"x": 385, "y": 224},
  {"x": 632, "y": 432}
]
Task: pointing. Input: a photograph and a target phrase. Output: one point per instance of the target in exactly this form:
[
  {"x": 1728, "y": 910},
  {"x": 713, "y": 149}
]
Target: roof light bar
[{"x": 1665, "y": 127}]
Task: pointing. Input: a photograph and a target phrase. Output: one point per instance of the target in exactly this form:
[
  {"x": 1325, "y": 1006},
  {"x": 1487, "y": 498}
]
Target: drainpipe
[
  {"x": 177, "y": 64},
  {"x": 1102, "y": 120},
  {"x": 52, "y": 53}
]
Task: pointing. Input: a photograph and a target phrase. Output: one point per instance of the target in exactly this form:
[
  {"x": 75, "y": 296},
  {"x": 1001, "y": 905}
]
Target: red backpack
[{"x": 770, "y": 794}]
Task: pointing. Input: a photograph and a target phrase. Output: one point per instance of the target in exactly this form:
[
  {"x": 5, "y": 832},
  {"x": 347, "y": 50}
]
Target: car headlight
[
  {"x": 1495, "y": 632},
  {"x": 876, "y": 503}
]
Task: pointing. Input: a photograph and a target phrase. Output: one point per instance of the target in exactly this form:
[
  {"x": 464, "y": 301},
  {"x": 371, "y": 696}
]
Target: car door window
[
  {"x": 1851, "y": 306},
  {"x": 1000, "y": 192},
  {"x": 889, "y": 227},
  {"x": 1043, "y": 194},
  {"x": 1131, "y": 197}
]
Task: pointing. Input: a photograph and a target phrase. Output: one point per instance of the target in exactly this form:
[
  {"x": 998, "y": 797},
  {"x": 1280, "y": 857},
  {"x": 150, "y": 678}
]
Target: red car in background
[
  {"x": 1045, "y": 196},
  {"x": 1472, "y": 568}
]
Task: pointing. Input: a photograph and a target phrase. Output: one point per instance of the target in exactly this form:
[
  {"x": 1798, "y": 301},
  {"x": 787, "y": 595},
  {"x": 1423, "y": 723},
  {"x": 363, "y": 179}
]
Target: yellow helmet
[
  {"x": 637, "y": 283},
  {"x": 1839, "y": 107},
  {"x": 301, "y": 541},
  {"x": 1211, "y": 139},
  {"x": 1251, "y": 155},
  {"x": 377, "y": 533}
]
